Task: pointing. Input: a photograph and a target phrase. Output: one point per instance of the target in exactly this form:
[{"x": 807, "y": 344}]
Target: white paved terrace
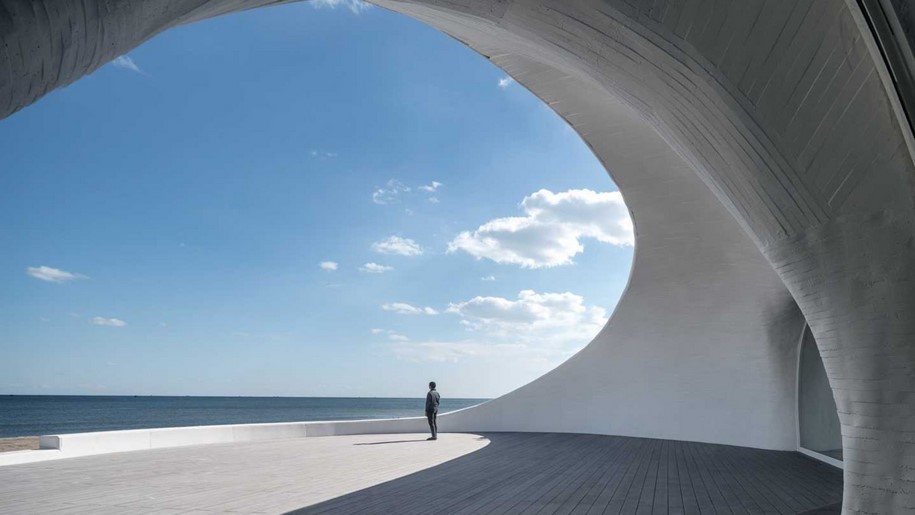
[{"x": 248, "y": 477}]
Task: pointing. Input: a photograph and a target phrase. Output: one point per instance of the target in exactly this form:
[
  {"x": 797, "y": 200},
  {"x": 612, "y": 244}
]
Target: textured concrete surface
[
  {"x": 775, "y": 127},
  {"x": 254, "y": 477},
  {"x": 780, "y": 109},
  {"x": 47, "y": 44}
]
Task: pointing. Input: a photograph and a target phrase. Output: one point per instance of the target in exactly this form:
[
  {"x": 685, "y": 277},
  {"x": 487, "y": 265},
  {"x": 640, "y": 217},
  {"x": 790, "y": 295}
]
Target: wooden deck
[
  {"x": 404, "y": 474},
  {"x": 589, "y": 474}
]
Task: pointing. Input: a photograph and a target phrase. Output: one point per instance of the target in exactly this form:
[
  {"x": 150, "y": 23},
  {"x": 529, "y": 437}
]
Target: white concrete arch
[
  {"x": 760, "y": 147},
  {"x": 687, "y": 354}
]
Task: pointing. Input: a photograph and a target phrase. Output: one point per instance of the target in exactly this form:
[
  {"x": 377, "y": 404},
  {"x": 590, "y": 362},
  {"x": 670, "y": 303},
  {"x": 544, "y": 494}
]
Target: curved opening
[
  {"x": 819, "y": 431},
  {"x": 109, "y": 329}
]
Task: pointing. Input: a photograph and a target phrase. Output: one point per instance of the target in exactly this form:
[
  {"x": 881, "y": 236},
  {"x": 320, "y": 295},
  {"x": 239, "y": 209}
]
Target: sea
[{"x": 30, "y": 415}]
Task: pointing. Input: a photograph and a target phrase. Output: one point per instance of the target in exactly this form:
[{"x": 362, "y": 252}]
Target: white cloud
[
  {"x": 52, "y": 275},
  {"x": 542, "y": 329},
  {"x": 431, "y": 189},
  {"x": 330, "y": 266},
  {"x": 505, "y": 82},
  {"x": 550, "y": 316},
  {"x": 356, "y": 6},
  {"x": 394, "y": 191},
  {"x": 551, "y": 231},
  {"x": 319, "y": 154},
  {"x": 392, "y": 335},
  {"x": 488, "y": 278},
  {"x": 111, "y": 322},
  {"x": 126, "y": 63},
  {"x": 397, "y": 245},
  {"x": 375, "y": 268},
  {"x": 389, "y": 193},
  {"x": 402, "y": 308}
]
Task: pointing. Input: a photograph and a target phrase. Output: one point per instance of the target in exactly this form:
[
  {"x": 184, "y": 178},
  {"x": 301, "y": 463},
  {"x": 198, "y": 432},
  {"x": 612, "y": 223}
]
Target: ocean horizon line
[
  {"x": 28, "y": 415},
  {"x": 421, "y": 394}
]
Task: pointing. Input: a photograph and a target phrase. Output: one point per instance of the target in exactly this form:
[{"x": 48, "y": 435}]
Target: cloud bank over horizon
[{"x": 539, "y": 329}]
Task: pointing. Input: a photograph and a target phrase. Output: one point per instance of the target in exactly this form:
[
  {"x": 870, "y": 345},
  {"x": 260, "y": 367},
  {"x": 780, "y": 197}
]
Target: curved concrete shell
[{"x": 764, "y": 150}]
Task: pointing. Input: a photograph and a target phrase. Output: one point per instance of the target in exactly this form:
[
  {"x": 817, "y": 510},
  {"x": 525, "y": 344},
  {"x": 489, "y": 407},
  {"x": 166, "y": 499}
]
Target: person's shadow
[{"x": 389, "y": 441}]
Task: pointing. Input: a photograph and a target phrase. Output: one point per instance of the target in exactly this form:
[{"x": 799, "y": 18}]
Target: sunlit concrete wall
[
  {"x": 703, "y": 344},
  {"x": 763, "y": 151},
  {"x": 786, "y": 112}
]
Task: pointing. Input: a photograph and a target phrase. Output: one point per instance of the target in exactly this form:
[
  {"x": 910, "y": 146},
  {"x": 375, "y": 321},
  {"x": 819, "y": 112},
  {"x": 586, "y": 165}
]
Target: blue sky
[{"x": 165, "y": 219}]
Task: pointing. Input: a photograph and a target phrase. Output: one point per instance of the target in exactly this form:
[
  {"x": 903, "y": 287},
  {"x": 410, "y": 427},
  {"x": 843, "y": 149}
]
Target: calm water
[{"x": 26, "y": 415}]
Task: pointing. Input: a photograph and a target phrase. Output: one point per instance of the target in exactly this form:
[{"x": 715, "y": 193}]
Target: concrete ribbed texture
[
  {"x": 47, "y": 44},
  {"x": 776, "y": 131}
]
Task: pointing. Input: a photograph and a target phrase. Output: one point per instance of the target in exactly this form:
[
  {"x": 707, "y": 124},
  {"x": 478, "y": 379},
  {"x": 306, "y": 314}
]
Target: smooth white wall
[
  {"x": 703, "y": 344},
  {"x": 54, "y": 447}
]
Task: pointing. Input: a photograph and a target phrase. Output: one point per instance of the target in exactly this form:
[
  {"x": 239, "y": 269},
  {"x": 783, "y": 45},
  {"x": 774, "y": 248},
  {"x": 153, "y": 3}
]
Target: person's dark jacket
[{"x": 432, "y": 399}]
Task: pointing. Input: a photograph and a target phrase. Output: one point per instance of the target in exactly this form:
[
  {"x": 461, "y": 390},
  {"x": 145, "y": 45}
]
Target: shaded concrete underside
[{"x": 565, "y": 473}]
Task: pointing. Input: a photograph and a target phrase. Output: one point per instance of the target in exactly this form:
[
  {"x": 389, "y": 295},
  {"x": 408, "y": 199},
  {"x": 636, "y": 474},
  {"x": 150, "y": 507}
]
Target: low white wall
[{"x": 104, "y": 442}]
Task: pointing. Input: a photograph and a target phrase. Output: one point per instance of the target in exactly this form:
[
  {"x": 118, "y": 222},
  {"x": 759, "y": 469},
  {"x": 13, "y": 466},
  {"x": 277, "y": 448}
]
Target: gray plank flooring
[{"x": 545, "y": 473}]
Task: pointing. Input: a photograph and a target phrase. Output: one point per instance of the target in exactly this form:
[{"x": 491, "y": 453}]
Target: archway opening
[
  {"x": 819, "y": 431},
  {"x": 323, "y": 213}
]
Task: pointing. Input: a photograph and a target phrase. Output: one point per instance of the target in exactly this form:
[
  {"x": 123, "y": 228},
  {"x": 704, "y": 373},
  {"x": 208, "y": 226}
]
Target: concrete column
[{"x": 854, "y": 279}]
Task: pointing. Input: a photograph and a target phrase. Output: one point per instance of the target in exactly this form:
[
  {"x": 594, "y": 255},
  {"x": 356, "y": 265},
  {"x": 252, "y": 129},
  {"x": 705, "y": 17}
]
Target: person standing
[{"x": 432, "y": 400}]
